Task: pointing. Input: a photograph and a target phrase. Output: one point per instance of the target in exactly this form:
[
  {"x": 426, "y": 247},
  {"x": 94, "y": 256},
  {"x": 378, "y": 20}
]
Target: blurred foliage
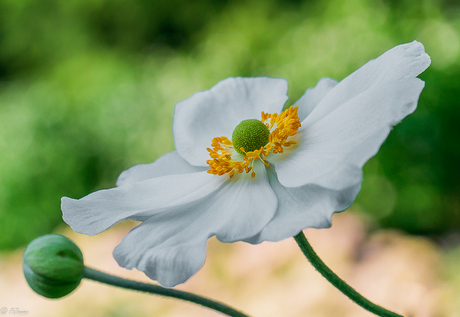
[
  {"x": 87, "y": 89},
  {"x": 36, "y": 34}
]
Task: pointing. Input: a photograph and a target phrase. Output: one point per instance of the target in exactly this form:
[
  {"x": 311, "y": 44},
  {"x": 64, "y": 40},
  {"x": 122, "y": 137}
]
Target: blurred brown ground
[{"x": 409, "y": 275}]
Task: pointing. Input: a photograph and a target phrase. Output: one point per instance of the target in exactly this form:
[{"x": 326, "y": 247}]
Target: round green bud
[
  {"x": 251, "y": 135},
  {"x": 53, "y": 265}
]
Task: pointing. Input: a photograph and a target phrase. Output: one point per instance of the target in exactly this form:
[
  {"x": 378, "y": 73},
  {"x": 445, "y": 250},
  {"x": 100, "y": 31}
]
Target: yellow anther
[{"x": 282, "y": 126}]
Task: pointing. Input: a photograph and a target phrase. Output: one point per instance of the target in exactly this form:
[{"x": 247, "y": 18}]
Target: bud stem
[
  {"x": 102, "y": 277},
  {"x": 337, "y": 281}
]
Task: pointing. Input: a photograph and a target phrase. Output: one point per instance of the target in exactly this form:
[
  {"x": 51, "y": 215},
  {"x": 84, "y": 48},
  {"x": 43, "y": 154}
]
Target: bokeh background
[{"x": 88, "y": 87}]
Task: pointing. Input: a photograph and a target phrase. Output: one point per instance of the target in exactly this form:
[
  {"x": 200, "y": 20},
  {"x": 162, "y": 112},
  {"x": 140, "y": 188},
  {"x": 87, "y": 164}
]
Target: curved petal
[
  {"x": 308, "y": 206},
  {"x": 168, "y": 247},
  {"x": 171, "y": 246},
  {"x": 102, "y": 209},
  {"x": 167, "y": 164},
  {"x": 403, "y": 61},
  {"x": 312, "y": 96},
  {"x": 333, "y": 150},
  {"x": 217, "y": 111},
  {"x": 246, "y": 205}
]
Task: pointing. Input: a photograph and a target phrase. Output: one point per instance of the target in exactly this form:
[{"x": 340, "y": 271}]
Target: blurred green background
[{"x": 87, "y": 89}]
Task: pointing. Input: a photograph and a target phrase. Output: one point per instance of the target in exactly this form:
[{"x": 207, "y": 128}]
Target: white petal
[
  {"x": 217, "y": 111},
  {"x": 168, "y": 248},
  {"x": 313, "y": 96},
  {"x": 168, "y": 164},
  {"x": 308, "y": 206},
  {"x": 246, "y": 205},
  {"x": 171, "y": 246},
  {"x": 403, "y": 61},
  {"x": 334, "y": 149},
  {"x": 102, "y": 209}
]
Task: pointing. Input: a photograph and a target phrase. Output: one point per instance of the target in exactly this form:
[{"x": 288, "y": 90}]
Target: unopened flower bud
[{"x": 53, "y": 265}]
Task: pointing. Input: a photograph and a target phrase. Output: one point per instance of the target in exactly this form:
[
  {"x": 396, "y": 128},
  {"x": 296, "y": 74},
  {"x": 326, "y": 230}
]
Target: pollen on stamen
[{"x": 281, "y": 126}]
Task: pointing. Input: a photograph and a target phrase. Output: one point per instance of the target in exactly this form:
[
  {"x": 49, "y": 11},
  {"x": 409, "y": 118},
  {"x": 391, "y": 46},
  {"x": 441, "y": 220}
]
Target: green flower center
[{"x": 251, "y": 135}]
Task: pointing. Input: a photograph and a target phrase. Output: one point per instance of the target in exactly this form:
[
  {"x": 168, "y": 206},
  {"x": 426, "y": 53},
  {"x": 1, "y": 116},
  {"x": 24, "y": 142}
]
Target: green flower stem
[
  {"x": 99, "y": 276},
  {"x": 337, "y": 281}
]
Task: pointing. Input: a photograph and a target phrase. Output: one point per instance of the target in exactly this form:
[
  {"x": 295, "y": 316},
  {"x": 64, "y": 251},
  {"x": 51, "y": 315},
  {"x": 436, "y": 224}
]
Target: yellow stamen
[{"x": 282, "y": 126}]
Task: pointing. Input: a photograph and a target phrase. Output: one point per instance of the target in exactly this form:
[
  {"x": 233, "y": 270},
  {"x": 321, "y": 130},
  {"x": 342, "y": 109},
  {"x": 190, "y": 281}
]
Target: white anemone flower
[{"x": 241, "y": 171}]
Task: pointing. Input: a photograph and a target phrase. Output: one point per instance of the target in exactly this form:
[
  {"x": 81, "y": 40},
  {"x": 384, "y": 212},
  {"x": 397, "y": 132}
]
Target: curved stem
[
  {"x": 337, "y": 281},
  {"x": 99, "y": 276}
]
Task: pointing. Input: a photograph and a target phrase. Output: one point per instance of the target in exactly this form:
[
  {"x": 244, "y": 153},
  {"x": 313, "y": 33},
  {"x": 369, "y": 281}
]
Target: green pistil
[{"x": 251, "y": 135}]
